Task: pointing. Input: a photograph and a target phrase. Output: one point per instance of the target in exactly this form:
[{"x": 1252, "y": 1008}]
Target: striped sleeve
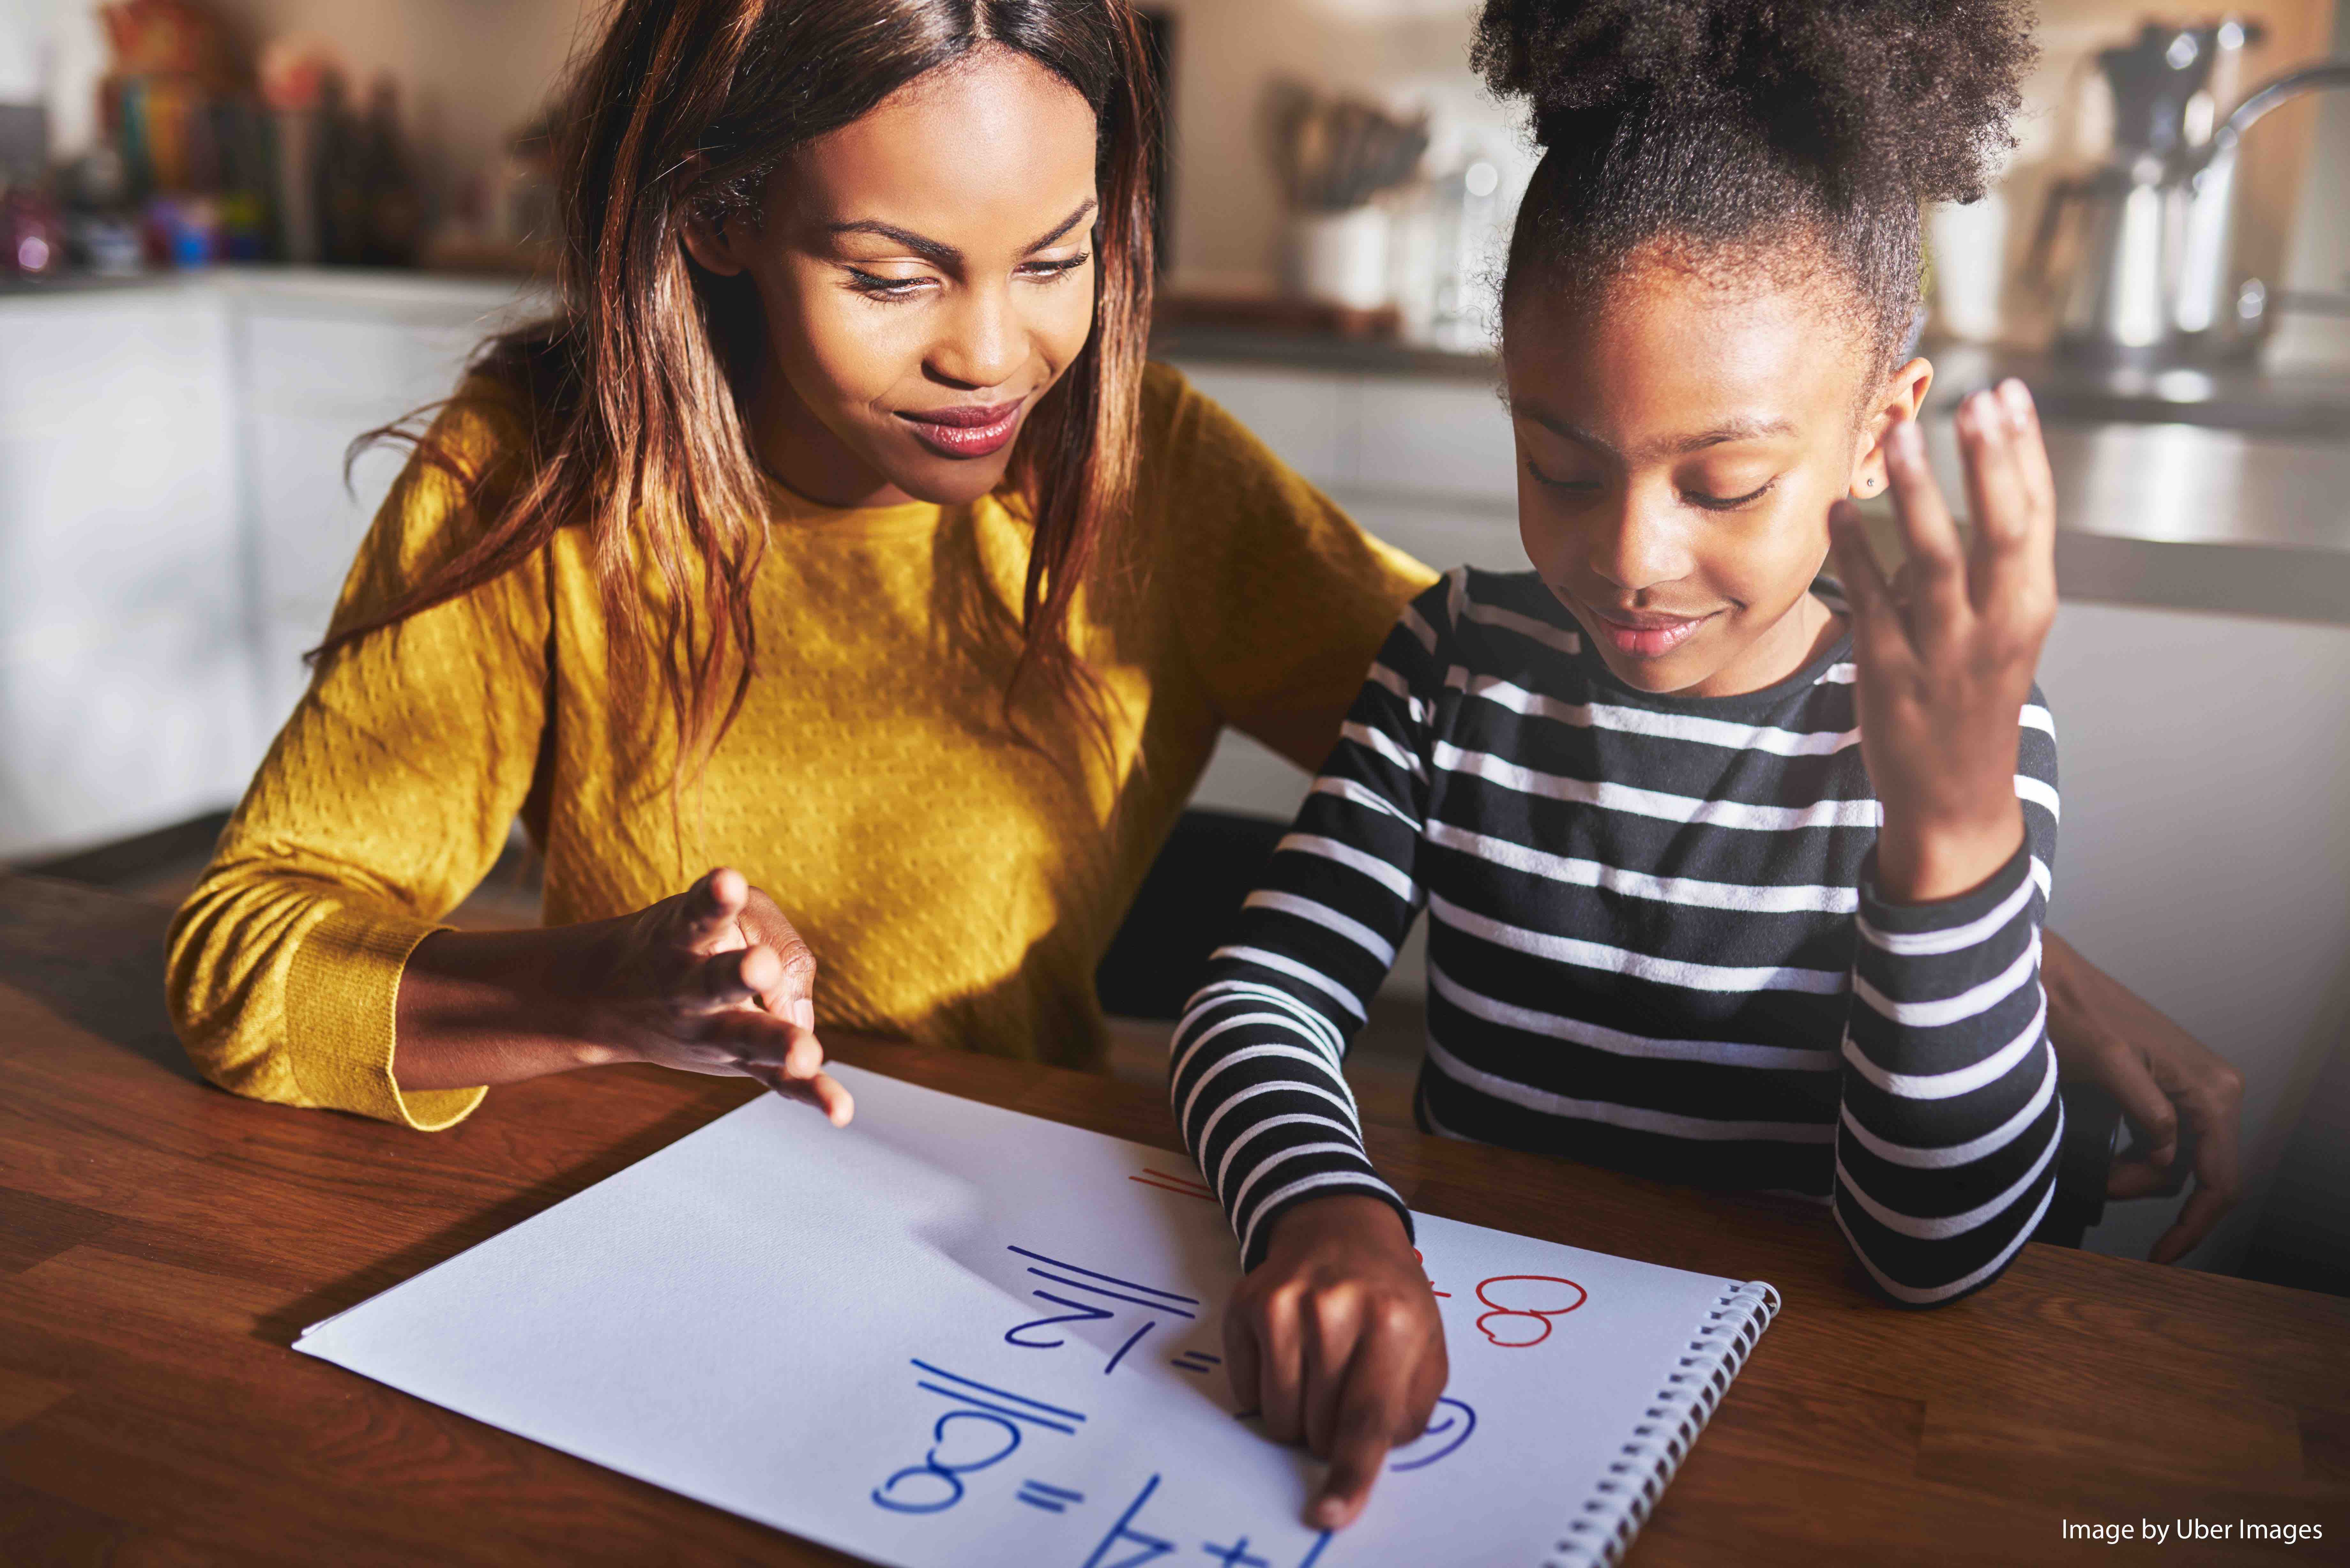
[
  {"x": 1255, "y": 1065},
  {"x": 1949, "y": 1125}
]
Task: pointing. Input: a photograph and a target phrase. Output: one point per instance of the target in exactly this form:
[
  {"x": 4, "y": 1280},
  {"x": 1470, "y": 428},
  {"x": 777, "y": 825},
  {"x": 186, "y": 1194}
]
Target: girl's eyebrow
[
  {"x": 1667, "y": 446},
  {"x": 939, "y": 251}
]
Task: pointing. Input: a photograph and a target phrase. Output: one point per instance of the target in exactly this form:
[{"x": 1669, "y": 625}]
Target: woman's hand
[
  {"x": 715, "y": 980},
  {"x": 1944, "y": 677},
  {"x": 2165, "y": 1079},
  {"x": 1334, "y": 1340}
]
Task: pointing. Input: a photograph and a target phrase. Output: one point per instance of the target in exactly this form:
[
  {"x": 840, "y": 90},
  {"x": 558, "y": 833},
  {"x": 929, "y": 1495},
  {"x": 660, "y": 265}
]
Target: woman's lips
[
  {"x": 1648, "y": 634},
  {"x": 964, "y": 431}
]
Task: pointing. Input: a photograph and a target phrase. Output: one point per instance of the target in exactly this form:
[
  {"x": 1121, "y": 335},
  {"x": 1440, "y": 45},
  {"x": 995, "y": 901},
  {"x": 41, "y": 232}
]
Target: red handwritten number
[
  {"x": 1432, "y": 1284},
  {"x": 1532, "y": 1321}
]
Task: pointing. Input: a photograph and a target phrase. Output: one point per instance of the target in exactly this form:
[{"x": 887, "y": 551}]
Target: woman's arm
[
  {"x": 384, "y": 800},
  {"x": 2165, "y": 1078},
  {"x": 712, "y": 981},
  {"x": 310, "y": 966}
]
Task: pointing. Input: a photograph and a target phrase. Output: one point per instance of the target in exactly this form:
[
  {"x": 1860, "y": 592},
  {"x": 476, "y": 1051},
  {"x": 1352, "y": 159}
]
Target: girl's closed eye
[
  {"x": 1565, "y": 480},
  {"x": 1727, "y": 497}
]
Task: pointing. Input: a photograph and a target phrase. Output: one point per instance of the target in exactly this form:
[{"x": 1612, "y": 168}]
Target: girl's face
[
  {"x": 1680, "y": 444},
  {"x": 926, "y": 274}
]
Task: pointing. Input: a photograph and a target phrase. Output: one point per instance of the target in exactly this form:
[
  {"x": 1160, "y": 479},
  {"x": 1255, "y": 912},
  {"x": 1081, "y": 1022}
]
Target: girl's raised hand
[
  {"x": 1943, "y": 676},
  {"x": 715, "y": 981}
]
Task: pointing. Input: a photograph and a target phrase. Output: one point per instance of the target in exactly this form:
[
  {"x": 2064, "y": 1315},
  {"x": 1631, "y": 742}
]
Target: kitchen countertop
[{"x": 2223, "y": 489}]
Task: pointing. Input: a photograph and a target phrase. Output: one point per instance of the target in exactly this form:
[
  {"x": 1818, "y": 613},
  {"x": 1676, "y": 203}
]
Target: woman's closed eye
[
  {"x": 880, "y": 286},
  {"x": 1049, "y": 271}
]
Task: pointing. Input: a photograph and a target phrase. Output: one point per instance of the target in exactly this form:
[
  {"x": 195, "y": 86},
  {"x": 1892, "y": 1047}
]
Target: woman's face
[
  {"x": 1680, "y": 444},
  {"x": 926, "y": 274}
]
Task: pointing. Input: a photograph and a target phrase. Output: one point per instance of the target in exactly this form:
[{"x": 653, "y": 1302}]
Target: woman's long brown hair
[{"x": 631, "y": 390}]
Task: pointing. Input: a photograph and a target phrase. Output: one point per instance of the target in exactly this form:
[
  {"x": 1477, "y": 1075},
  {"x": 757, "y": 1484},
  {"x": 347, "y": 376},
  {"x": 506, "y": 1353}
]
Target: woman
[{"x": 834, "y": 532}]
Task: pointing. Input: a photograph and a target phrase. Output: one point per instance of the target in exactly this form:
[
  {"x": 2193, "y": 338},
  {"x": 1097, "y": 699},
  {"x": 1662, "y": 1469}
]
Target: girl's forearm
[
  {"x": 1925, "y": 862},
  {"x": 495, "y": 1007}
]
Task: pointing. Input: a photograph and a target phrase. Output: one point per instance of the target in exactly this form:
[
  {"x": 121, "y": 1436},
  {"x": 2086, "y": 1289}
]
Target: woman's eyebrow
[
  {"x": 939, "y": 251},
  {"x": 1071, "y": 221}
]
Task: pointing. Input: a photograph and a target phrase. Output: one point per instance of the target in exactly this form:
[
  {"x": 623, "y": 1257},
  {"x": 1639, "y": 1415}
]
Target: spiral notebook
[{"x": 951, "y": 1335}]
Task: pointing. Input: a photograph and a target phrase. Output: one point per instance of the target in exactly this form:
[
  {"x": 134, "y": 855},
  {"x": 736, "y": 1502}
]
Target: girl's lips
[
  {"x": 966, "y": 432},
  {"x": 1651, "y": 635}
]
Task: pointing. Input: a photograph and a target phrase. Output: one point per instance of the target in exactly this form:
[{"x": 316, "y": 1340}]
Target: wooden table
[{"x": 162, "y": 1242}]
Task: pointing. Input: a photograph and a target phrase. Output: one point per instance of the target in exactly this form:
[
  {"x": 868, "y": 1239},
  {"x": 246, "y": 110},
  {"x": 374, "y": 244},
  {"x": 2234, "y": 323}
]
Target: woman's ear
[
  {"x": 709, "y": 242},
  {"x": 1903, "y": 394}
]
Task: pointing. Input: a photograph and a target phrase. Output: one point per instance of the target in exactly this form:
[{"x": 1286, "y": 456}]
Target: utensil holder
[{"x": 1340, "y": 257}]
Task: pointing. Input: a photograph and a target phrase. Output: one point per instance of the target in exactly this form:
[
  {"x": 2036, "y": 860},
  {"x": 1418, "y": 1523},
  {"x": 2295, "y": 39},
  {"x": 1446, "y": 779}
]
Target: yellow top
[{"x": 957, "y": 887}]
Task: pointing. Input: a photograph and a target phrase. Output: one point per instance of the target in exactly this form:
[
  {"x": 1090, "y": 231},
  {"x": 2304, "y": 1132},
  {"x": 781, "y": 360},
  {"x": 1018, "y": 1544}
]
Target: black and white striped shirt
[{"x": 1653, "y": 944}]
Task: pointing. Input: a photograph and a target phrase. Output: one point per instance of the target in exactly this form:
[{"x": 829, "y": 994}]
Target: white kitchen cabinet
[
  {"x": 2204, "y": 855},
  {"x": 324, "y": 359},
  {"x": 174, "y": 523},
  {"x": 125, "y": 667}
]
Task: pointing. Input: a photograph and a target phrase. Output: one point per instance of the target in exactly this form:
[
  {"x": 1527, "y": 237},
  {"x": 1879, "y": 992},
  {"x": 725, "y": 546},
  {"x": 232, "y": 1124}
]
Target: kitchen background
[{"x": 234, "y": 236}]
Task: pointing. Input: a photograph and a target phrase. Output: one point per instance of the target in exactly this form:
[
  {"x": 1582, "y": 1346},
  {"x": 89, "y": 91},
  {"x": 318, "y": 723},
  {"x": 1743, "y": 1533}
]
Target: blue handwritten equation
[
  {"x": 1135, "y": 1545},
  {"x": 983, "y": 1426},
  {"x": 1148, "y": 1303}
]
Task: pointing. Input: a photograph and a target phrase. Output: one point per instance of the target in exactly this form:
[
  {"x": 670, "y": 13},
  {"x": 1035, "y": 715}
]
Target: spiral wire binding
[{"x": 1669, "y": 1426}]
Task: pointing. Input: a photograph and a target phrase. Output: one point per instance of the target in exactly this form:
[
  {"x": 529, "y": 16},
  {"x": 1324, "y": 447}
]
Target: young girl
[{"x": 1732, "y": 878}]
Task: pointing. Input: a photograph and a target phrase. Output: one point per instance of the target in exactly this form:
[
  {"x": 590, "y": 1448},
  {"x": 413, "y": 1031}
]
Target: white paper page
[{"x": 950, "y": 1335}]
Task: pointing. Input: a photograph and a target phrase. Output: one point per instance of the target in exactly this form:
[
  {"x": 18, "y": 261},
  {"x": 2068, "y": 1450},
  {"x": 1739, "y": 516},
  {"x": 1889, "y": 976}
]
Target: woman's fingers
[
  {"x": 1938, "y": 557},
  {"x": 711, "y": 908},
  {"x": 731, "y": 979},
  {"x": 821, "y": 1090},
  {"x": 782, "y": 1055},
  {"x": 2219, "y": 1173},
  {"x": 722, "y": 913},
  {"x": 2195, "y": 1221},
  {"x": 791, "y": 993}
]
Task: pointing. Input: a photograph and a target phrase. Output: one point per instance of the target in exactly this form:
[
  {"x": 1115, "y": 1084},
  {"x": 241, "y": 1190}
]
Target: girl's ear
[
  {"x": 709, "y": 242},
  {"x": 1903, "y": 395}
]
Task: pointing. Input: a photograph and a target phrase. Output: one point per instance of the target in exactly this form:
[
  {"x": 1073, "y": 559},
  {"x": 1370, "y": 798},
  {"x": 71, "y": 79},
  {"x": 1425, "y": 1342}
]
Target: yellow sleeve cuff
[{"x": 342, "y": 995}]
